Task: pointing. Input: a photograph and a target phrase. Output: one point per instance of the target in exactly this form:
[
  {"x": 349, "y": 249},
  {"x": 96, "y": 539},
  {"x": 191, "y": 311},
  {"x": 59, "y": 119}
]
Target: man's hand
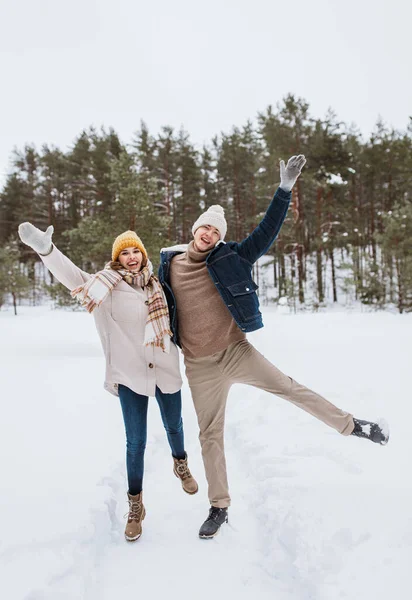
[
  {"x": 40, "y": 241},
  {"x": 290, "y": 172}
]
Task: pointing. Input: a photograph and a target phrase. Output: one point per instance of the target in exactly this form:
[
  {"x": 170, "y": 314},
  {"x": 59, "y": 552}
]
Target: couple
[{"x": 206, "y": 304}]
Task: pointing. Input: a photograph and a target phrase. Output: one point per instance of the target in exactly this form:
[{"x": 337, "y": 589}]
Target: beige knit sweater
[{"x": 204, "y": 322}]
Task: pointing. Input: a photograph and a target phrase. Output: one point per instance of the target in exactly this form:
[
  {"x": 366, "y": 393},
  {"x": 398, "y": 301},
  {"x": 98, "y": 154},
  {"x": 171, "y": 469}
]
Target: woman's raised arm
[{"x": 62, "y": 267}]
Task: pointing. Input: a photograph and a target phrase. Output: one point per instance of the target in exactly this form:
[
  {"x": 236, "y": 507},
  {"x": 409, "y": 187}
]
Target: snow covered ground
[{"x": 314, "y": 515}]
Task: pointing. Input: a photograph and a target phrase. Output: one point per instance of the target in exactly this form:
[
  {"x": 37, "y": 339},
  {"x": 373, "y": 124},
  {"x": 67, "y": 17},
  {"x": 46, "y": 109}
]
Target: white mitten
[
  {"x": 40, "y": 241},
  {"x": 290, "y": 173}
]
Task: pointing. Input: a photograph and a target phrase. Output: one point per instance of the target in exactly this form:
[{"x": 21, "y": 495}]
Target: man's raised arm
[{"x": 263, "y": 236}]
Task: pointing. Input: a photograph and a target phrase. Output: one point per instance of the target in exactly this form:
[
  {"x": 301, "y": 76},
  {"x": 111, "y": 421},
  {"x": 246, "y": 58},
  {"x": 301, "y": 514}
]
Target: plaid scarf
[{"x": 98, "y": 287}]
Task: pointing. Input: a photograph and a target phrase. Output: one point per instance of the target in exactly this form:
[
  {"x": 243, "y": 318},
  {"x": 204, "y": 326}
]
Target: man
[{"x": 213, "y": 304}]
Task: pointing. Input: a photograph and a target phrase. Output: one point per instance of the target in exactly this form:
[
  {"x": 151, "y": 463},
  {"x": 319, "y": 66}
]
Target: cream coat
[{"x": 120, "y": 322}]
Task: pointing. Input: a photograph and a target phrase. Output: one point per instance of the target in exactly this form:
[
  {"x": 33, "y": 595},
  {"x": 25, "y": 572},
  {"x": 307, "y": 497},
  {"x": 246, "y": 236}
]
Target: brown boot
[
  {"x": 181, "y": 470},
  {"x": 135, "y": 517}
]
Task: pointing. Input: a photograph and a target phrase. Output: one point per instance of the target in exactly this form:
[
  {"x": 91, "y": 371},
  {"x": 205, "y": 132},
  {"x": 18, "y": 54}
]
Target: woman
[{"x": 132, "y": 320}]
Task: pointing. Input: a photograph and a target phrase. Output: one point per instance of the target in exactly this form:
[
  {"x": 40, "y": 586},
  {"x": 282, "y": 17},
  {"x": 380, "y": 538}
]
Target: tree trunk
[
  {"x": 400, "y": 285},
  {"x": 282, "y": 275},
  {"x": 332, "y": 262},
  {"x": 297, "y": 209},
  {"x": 50, "y": 208},
  {"x": 301, "y": 275},
  {"x": 292, "y": 280},
  {"x": 237, "y": 204},
  {"x": 319, "y": 275},
  {"x": 373, "y": 228},
  {"x": 14, "y": 303},
  {"x": 319, "y": 249},
  {"x": 391, "y": 286}
]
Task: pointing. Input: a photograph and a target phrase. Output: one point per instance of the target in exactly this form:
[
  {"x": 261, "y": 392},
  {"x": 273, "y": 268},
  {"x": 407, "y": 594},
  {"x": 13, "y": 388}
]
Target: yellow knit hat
[{"x": 128, "y": 239}]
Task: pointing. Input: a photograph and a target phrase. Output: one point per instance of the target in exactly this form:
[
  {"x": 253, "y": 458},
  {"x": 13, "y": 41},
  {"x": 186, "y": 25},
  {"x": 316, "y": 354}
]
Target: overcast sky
[{"x": 66, "y": 65}]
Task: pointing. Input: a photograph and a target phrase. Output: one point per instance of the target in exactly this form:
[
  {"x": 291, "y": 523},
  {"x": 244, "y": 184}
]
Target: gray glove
[
  {"x": 40, "y": 241},
  {"x": 290, "y": 173}
]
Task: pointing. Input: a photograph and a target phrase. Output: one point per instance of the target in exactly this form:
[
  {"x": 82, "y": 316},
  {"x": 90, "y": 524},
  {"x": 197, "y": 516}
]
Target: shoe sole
[
  {"x": 190, "y": 493},
  {"x": 130, "y": 539},
  {"x": 383, "y": 424},
  {"x": 133, "y": 539}
]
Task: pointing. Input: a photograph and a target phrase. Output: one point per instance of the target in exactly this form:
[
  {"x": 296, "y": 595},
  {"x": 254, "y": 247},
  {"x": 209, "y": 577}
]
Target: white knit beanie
[{"x": 215, "y": 216}]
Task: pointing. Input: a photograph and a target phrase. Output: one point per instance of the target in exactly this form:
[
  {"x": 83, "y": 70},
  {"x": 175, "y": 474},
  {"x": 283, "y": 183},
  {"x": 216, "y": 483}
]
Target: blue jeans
[{"x": 134, "y": 408}]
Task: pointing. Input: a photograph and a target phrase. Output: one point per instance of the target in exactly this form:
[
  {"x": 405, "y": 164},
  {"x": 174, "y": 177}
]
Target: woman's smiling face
[{"x": 131, "y": 259}]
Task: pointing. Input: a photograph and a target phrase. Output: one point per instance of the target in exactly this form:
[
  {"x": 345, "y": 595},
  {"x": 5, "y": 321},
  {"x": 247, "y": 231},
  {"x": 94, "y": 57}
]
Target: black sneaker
[
  {"x": 216, "y": 518},
  {"x": 376, "y": 432}
]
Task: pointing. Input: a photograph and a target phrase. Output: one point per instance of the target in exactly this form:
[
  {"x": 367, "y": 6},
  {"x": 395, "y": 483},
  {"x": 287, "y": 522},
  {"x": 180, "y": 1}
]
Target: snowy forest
[{"x": 347, "y": 237}]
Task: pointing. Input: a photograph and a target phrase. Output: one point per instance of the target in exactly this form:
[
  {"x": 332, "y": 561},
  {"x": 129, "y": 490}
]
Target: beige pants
[{"x": 210, "y": 379}]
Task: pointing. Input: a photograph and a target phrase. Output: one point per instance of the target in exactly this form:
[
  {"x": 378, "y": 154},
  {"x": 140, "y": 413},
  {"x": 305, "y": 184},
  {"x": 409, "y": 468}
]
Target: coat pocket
[
  {"x": 245, "y": 298},
  {"x": 125, "y": 306},
  {"x": 242, "y": 288}
]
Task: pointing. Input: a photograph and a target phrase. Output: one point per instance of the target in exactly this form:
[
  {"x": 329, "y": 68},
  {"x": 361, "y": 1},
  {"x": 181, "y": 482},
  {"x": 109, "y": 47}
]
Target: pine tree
[
  {"x": 188, "y": 188},
  {"x": 208, "y": 190},
  {"x": 133, "y": 208},
  {"x": 12, "y": 206},
  {"x": 397, "y": 240},
  {"x": 339, "y": 209},
  {"x": 13, "y": 280}
]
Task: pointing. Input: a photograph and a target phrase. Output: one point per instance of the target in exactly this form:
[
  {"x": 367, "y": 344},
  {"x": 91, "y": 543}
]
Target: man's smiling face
[{"x": 206, "y": 238}]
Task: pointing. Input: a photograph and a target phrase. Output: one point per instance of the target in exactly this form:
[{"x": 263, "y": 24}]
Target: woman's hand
[{"x": 40, "y": 241}]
